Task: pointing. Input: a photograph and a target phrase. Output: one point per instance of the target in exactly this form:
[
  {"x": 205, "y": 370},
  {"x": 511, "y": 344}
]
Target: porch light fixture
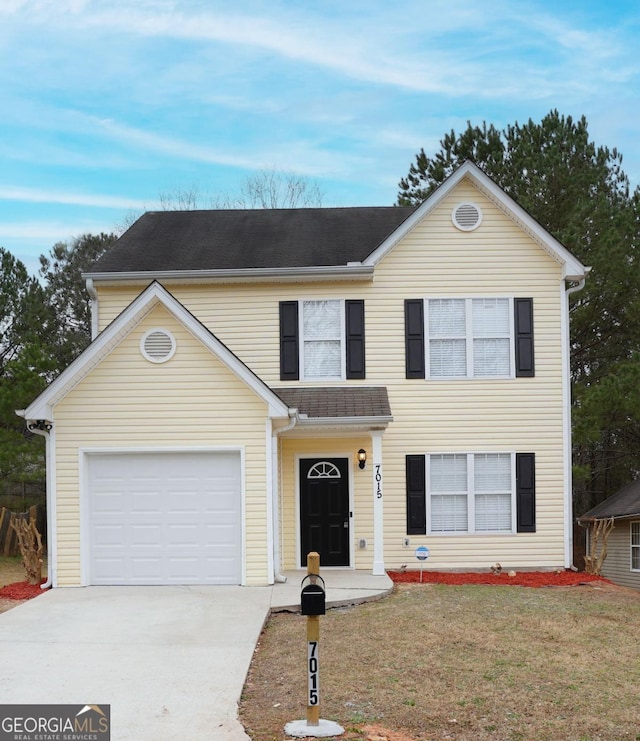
[{"x": 362, "y": 457}]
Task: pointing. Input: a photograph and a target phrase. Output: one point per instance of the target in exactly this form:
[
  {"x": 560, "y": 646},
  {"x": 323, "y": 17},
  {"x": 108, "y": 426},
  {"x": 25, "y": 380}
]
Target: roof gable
[
  {"x": 573, "y": 269},
  {"x": 152, "y": 296}
]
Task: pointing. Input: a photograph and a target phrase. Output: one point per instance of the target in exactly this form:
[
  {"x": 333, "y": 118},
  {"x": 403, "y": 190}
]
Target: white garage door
[{"x": 165, "y": 518}]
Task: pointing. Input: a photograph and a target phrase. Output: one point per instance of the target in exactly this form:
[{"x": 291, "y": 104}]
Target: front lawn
[{"x": 465, "y": 663}]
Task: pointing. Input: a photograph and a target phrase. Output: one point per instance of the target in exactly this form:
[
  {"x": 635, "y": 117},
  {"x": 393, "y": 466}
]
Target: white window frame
[
  {"x": 471, "y": 495},
  {"x": 341, "y": 338},
  {"x": 469, "y": 338},
  {"x": 633, "y": 545}
]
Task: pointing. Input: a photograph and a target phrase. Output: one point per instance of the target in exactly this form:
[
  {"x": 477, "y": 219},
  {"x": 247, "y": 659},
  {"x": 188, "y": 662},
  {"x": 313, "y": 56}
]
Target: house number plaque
[{"x": 314, "y": 679}]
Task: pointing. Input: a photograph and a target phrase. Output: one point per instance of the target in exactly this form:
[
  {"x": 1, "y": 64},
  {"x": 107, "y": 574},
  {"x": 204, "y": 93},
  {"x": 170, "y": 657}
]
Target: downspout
[
  {"x": 37, "y": 429},
  {"x": 94, "y": 307},
  {"x": 568, "y": 473},
  {"x": 579, "y": 287},
  {"x": 279, "y": 578}
]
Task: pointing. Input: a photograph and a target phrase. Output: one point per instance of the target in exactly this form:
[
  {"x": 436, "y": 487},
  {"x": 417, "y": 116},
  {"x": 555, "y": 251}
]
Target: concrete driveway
[{"x": 170, "y": 661}]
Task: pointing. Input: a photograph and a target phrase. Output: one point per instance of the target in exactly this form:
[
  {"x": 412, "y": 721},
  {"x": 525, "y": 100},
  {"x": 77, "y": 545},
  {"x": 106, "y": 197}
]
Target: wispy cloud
[
  {"x": 51, "y": 231},
  {"x": 303, "y": 156},
  {"x": 423, "y": 57},
  {"x": 169, "y": 145},
  {"x": 299, "y": 38},
  {"x": 35, "y": 195},
  {"x": 385, "y": 56},
  {"x": 411, "y": 51}
]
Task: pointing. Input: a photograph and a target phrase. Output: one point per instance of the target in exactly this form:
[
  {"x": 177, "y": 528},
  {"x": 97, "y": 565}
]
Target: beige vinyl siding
[
  {"x": 430, "y": 416},
  {"x": 191, "y": 401},
  {"x": 617, "y": 564},
  {"x": 469, "y": 416}
]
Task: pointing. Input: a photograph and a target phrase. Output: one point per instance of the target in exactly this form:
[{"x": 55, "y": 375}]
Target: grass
[{"x": 461, "y": 663}]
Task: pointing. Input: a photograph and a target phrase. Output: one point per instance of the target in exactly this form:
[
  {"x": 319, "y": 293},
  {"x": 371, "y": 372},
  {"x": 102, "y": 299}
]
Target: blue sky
[{"x": 107, "y": 104}]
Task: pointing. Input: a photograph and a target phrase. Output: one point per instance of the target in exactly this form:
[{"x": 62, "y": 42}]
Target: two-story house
[{"x": 356, "y": 381}]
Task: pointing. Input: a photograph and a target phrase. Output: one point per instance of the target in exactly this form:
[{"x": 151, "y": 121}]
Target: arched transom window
[{"x": 323, "y": 470}]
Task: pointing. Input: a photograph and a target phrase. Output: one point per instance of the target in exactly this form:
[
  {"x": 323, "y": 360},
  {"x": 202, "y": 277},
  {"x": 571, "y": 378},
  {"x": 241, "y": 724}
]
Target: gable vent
[
  {"x": 158, "y": 345},
  {"x": 466, "y": 216}
]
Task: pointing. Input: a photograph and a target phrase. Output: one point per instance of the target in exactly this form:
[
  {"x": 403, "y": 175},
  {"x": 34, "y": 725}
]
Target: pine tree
[{"x": 578, "y": 192}]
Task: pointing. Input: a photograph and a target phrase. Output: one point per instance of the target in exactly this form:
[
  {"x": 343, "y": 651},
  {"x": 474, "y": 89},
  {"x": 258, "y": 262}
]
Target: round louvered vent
[
  {"x": 466, "y": 216},
  {"x": 158, "y": 345}
]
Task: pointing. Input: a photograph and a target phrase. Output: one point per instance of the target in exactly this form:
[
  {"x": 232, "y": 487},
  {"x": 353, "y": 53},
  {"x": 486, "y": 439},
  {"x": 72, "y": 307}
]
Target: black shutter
[
  {"x": 416, "y": 495},
  {"x": 289, "y": 355},
  {"x": 523, "y": 310},
  {"x": 414, "y": 338},
  {"x": 526, "y": 492},
  {"x": 354, "y": 319}
]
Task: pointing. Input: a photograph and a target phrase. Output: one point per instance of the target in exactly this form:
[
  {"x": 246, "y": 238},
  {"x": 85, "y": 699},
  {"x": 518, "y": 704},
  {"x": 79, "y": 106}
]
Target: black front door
[{"x": 324, "y": 510}]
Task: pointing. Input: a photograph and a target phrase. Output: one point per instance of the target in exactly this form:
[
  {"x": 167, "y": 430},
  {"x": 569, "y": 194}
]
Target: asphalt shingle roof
[
  {"x": 623, "y": 503},
  {"x": 252, "y": 238},
  {"x": 336, "y": 402}
]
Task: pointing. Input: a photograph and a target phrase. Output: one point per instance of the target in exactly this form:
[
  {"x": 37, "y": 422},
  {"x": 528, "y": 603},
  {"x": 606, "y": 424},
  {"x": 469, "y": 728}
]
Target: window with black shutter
[
  {"x": 332, "y": 345},
  {"x": 416, "y": 495},
  {"x": 354, "y": 332},
  {"x": 469, "y": 338},
  {"x": 526, "y": 492},
  {"x": 414, "y": 338},
  {"x": 289, "y": 349},
  {"x": 523, "y": 324}
]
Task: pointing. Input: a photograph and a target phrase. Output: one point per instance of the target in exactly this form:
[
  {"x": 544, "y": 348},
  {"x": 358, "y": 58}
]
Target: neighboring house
[
  {"x": 244, "y": 362},
  {"x": 622, "y": 563}
]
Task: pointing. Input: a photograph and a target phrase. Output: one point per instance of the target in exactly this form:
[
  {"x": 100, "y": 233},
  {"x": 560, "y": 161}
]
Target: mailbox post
[{"x": 313, "y": 604}]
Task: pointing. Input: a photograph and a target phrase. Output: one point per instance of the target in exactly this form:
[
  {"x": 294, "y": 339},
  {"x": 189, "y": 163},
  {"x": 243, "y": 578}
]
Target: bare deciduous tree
[
  {"x": 276, "y": 189},
  {"x": 181, "y": 199},
  {"x": 30, "y": 544},
  {"x": 268, "y": 188},
  {"x": 598, "y": 537}
]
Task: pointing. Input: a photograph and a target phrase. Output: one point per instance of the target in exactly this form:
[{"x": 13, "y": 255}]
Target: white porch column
[
  {"x": 378, "y": 510},
  {"x": 272, "y": 501}
]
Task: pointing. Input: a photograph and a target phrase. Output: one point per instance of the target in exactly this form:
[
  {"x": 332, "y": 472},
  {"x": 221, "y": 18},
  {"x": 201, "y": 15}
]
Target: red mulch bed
[
  {"x": 21, "y": 590},
  {"x": 521, "y": 579}
]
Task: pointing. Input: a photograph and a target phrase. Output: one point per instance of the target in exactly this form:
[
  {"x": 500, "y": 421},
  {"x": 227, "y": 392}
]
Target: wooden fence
[{"x": 8, "y": 537}]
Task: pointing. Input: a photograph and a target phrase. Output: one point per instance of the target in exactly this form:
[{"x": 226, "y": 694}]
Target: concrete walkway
[
  {"x": 170, "y": 661},
  {"x": 342, "y": 588}
]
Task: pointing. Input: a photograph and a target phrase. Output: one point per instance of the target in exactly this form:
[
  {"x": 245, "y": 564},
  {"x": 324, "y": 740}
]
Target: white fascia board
[
  {"x": 573, "y": 269},
  {"x": 350, "y": 272},
  {"x": 110, "y": 337},
  {"x": 367, "y": 422}
]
